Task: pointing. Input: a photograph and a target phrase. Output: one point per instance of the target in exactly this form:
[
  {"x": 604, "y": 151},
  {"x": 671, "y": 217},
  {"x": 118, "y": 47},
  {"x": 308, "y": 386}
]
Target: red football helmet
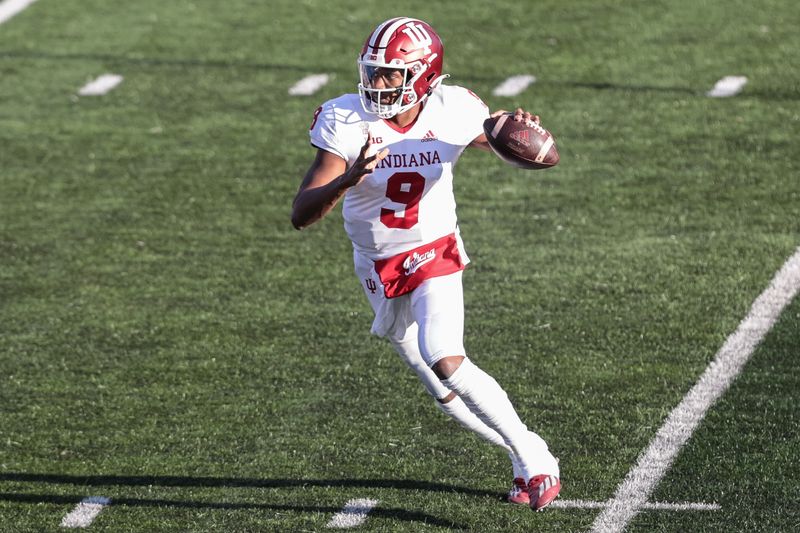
[{"x": 410, "y": 46}]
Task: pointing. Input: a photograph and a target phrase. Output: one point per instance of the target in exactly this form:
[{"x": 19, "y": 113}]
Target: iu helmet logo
[{"x": 419, "y": 36}]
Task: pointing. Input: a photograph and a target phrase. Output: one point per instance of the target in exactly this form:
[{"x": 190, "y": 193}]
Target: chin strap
[{"x": 435, "y": 83}]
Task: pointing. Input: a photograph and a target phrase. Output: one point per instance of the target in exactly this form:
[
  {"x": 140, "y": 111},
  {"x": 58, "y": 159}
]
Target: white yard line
[
  {"x": 309, "y": 85},
  {"x": 85, "y": 512},
  {"x": 656, "y": 506},
  {"x": 514, "y": 85},
  {"x": 101, "y": 85},
  {"x": 728, "y": 86},
  {"x": 637, "y": 487},
  {"x": 353, "y": 515},
  {"x": 9, "y": 8},
  {"x": 664, "y": 506}
]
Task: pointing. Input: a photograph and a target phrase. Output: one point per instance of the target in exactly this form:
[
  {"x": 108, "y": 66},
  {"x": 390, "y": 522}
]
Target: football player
[{"x": 389, "y": 151}]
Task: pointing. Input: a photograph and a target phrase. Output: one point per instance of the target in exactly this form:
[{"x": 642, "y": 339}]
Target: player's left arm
[
  {"x": 520, "y": 115},
  {"x": 480, "y": 143}
]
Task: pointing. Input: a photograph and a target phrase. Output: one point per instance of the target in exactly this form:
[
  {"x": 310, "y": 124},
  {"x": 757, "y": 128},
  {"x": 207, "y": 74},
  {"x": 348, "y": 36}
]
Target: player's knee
[
  {"x": 444, "y": 367},
  {"x": 401, "y": 336},
  {"x": 447, "y": 399}
]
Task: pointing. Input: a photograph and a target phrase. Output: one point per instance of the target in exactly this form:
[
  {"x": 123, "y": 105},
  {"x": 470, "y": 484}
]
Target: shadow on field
[
  {"x": 395, "y": 514},
  {"x": 184, "y": 481}
]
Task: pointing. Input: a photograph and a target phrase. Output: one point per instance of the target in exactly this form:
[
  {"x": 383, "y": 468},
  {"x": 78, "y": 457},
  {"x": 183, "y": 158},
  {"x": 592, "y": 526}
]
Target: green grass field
[{"x": 169, "y": 341}]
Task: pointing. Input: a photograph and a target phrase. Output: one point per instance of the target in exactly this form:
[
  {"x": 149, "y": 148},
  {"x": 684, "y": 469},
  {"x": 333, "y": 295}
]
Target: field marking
[
  {"x": 664, "y": 506},
  {"x": 9, "y": 8},
  {"x": 309, "y": 85},
  {"x": 654, "y": 506},
  {"x": 353, "y": 515},
  {"x": 85, "y": 512},
  {"x": 728, "y": 86},
  {"x": 637, "y": 486},
  {"x": 100, "y": 85},
  {"x": 514, "y": 85}
]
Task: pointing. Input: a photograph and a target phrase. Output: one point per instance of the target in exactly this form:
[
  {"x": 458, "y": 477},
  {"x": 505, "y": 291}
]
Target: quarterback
[{"x": 388, "y": 152}]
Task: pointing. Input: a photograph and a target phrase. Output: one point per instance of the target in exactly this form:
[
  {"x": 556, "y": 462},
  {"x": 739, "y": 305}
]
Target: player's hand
[
  {"x": 520, "y": 115},
  {"x": 364, "y": 165}
]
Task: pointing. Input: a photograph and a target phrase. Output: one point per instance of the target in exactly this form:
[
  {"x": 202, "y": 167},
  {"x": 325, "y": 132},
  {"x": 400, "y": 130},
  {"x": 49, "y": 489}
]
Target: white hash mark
[
  {"x": 85, "y": 512},
  {"x": 309, "y": 85},
  {"x": 9, "y": 8},
  {"x": 101, "y": 85},
  {"x": 353, "y": 515},
  {"x": 728, "y": 86},
  {"x": 514, "y": 85}
]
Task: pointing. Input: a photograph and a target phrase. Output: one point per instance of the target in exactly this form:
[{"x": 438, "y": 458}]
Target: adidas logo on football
[
  {"x": 430, "y": 136},
  {"x": 522, "y": 137}
]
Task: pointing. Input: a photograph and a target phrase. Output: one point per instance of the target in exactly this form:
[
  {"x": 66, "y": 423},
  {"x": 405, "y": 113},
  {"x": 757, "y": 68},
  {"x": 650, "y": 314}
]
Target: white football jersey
[{"x": 408, "y": 200}]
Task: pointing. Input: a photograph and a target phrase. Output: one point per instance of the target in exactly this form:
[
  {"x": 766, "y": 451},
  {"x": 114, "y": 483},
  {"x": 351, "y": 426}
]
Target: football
[{"x": 522, "y": 144}]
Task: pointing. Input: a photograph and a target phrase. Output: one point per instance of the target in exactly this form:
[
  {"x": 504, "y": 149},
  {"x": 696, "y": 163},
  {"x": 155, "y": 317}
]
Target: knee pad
[
  {"x": 408, "y": 348},
  {"x": 438, "y": 340}
]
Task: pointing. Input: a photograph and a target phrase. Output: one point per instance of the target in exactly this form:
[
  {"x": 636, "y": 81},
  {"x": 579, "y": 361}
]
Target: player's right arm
[{"x": 327, "y": 180}]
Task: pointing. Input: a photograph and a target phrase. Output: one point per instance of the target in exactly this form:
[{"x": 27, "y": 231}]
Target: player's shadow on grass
[
  {"x": 184, "y": 481},
  {"x": 393, "y": 513}
]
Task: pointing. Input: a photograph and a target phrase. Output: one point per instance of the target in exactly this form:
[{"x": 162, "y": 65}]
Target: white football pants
[{"x": 433, "y": 313}]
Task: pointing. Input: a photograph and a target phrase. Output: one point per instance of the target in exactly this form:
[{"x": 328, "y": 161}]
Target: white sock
[
  {"x": 456, "y": 409},
  {"x": 408, "y": 349},
  {"x": 489, "y": 402},
  {"x": 516, "y": 469}
]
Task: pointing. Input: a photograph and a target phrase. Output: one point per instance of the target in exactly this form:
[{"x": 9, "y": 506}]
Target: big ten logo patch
[{"x": 368, "y": 136}]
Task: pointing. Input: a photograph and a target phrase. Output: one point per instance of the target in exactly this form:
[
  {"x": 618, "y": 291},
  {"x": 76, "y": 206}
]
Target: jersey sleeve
[
  {"x": 323, "y": 131},
  {"x": 471, "y": 114}
]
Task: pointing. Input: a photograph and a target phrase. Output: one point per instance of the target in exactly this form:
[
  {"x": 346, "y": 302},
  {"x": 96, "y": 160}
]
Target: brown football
[{"x": 522, "y": 144}]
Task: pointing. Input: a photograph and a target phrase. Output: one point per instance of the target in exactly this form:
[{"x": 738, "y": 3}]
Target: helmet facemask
[{"x": 405, "y": 97}]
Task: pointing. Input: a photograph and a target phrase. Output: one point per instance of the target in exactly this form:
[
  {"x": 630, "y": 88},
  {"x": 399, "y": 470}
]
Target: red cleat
[
  {"x": 519, "y": 492},
  {"x": 542, "y": 490}
]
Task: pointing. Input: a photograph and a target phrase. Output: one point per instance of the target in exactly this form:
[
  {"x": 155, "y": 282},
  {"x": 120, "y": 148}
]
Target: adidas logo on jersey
[{"x": 430, "y": 136}]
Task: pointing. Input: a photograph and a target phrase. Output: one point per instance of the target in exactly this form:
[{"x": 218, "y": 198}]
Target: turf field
[{"x": 169, "y": 342}]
